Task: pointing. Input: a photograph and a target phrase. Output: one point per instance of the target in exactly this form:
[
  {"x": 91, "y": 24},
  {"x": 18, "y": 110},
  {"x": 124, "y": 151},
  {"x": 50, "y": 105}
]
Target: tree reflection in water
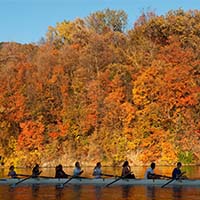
[
  {"x": 35, "y": 190},
  {"x": 59, "y": 193},
  {"x": 86, "y": 192},
  {"x": 98, "y": 192},
  {"x": 151, "y": 192},
  {"x": 77, "y": 191},
  {"x": 177, "y": 192},
  {"x": 125, "y": 191}
]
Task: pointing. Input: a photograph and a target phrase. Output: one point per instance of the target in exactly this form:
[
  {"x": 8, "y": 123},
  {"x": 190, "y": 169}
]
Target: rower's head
[
  {"x": 179, "y": 164},
  {"x": 153, "y": 165},
  {"x": 77, "y": 164},
  {"x": 125, "y": 164},
  {"x": 98, "y": 164},
  {"x": 60, "y": 167},
  {"x": 11, "y": 168}
]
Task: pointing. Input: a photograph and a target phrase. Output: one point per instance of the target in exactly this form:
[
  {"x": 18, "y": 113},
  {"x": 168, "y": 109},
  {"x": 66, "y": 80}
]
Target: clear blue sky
[{"x": 27, "y": 21}]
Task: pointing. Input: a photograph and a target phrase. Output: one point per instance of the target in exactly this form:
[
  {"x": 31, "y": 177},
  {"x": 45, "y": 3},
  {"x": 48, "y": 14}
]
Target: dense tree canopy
[{"x": 94, "y": 91}]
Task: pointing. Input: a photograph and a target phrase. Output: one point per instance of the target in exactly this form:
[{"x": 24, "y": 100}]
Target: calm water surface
[{"x": 113, "y": 192}]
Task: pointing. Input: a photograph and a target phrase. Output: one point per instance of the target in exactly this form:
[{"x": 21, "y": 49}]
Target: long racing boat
[{"x": 97, "y": 182}]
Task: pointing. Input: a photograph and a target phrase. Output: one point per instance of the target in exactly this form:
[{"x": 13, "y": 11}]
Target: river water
[{"x": 70, "y": 192}]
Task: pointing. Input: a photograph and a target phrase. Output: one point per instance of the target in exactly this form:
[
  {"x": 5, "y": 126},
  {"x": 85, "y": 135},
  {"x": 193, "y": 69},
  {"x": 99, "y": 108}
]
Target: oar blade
[
  {"x": 17, "y": 183},
  {"x": 167, "y": 183},
  {"x": 13, "y": 185},
  {"x": 107, "y": 185},
  {"x": 63, "y": 184},
  {"x": 59, "y": 186}
]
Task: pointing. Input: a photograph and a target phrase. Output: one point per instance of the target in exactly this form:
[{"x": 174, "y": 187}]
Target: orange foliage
[
  {"x": 158, "y": 146},
  {"x": 31, "y": 136},
  {"x": 92, "y": 91}
]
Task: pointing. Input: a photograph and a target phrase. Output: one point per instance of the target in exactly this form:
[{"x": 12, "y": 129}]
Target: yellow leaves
[
  {"x": 12, "y": 144},
  {"x": 61, "y": 32},
  {"x": 158, "y": 145},
  {"x": 128, "y": 114},
  {"x": 177, "y": 23},
  {"x": 68, "y": 32},
  {"x": 64, "y": 30},
  {"x": 147, "y": 86}
]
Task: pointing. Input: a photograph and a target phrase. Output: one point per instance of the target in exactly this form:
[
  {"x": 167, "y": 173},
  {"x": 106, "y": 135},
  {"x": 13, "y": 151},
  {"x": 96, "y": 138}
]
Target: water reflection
[
  {"x": 151, "y": 192},
  {"x": 125, "y": 192},
  {"x": 59, "y": 193},
  {"x": 70, "y": 192},
  {"x": 98, "y": 192},
  {"x": 77, "y": 191},
  {"x": 177, "y": 192},
  {"x": 35, "y": 190}
]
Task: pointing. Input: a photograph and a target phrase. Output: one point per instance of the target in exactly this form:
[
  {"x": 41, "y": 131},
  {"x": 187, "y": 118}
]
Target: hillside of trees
[{"x": 91, "y": 90}]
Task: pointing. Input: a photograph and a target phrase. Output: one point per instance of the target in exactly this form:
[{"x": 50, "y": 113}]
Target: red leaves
[{"x": 31, "y": 136}]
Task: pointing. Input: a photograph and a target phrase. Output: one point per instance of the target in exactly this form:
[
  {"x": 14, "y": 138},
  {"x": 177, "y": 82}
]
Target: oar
[
  {"x": 173, "y": 180},
  {"x": 72, "y": 177},
  {"x": 15, "y": 184},
  {"x": 119, "y": 178},
  {"x": 62, "y": 185},
  {"x": 68, "y": 180}
]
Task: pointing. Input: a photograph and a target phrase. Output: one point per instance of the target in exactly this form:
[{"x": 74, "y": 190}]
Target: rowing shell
[{"x": 100, "y": 182}]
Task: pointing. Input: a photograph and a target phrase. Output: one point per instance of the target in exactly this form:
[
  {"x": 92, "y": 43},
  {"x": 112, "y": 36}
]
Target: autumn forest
[{"x": 93, "y": 90}]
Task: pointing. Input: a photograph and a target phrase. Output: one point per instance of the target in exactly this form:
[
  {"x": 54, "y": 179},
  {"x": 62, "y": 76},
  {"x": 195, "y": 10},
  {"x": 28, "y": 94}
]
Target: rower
[
  {"x": 36, "y": 171},
  {"x": 126, "y": 170},
  {"x": 177, "y": 173},
  {"x": 12, "y": 172},
  {"x": 149, "y": 174},
  {"x": 77, "y": 170},
  {"x": 60, "y": 172},
  {"x": 97, "y": 172}
]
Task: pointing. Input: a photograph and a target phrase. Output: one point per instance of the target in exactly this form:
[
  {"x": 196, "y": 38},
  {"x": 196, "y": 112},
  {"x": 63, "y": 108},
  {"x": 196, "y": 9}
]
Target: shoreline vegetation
[{"x": 91, "y": 90}]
